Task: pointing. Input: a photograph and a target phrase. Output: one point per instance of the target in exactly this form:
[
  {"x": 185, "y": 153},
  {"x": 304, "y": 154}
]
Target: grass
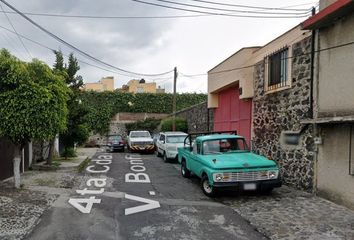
[{"x": 83, "y": 165}]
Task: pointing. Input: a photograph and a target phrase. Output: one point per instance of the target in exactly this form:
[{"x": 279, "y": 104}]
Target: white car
[
  {"x": 167, "y": 144},
  {"x": 140, "y": 141}
]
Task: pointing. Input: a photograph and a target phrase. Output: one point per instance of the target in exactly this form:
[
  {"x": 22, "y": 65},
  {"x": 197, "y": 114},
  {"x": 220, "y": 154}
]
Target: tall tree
[
  {"x": 73, "y": 80},
  {"x": 32, "y": 103},
  {"x": 77, "y": 128},
  {"x": 59, "y": 61}
]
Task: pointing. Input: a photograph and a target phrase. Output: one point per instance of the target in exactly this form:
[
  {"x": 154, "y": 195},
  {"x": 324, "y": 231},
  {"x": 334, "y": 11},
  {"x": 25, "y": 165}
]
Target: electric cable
[
  {"x": 78, "y": 59},
  {"x": 231, "y": 10},
  {"x": 252, "y": 7},
  {"x": 13, "y": 27},
  {"x": 106, "y": 17},
  {"x": 254, "y": 65},
  {"x": 215, "y": 13},
  {"x": 77, "y": 49}
]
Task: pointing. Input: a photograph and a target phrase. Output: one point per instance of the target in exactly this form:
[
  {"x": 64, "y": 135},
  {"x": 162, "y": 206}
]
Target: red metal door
[{"x": 233, "y": 113}]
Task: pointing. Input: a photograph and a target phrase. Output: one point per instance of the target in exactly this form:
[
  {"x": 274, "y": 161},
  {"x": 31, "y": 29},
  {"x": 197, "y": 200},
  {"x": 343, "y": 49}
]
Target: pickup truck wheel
[
  {"x": 207, "y": 189},
  {"x": 165, "y": 159},
  {"x": 184, "y": 171}
]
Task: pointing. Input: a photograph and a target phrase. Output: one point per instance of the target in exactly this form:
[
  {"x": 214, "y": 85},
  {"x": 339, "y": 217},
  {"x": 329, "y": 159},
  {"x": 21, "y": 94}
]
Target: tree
[
  {"x": 181, "y": 124},
  {"x": 59, "y": 61},
  {"x": 77, "y": 128},
  {"x": 75, "y": 82},
  {"x": 32, "y": 103}
]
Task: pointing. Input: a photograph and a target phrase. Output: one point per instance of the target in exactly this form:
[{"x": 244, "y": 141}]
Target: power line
[
  {"x": 232, "y": 10},
  {"x": 77, "y": 49},
  {"x": 79, "y": 60},
  {"x": 13, "y": 27},
  {"x": 254, "y": 65},
  {"x": 252, "y": 7},
  {"x": 215, "y": 13},
  {"x": 106, "y": 17}
]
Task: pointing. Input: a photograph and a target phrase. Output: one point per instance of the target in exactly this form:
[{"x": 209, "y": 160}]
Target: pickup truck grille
[
  {"x": 141, "y": 143},
  {"x": 249, "y": 176}
]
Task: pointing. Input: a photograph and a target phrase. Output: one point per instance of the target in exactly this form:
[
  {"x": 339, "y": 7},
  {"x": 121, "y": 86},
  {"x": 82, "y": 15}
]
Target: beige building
[
  {"x": 105, "y": 84},
  {"x": 334, "y": 99},
  {"x": 141, "y": 86}
]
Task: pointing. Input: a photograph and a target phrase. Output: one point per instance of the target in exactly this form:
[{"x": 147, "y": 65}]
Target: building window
[
  {"x": 140, "y": 90},
  {"x": 278, "y": 69}
]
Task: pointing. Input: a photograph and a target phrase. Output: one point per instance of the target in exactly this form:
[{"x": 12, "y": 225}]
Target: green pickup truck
[{"x": 223, "y": 160}]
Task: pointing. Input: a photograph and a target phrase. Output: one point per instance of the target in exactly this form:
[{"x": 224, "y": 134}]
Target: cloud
[{"x": 194, "y": 45}]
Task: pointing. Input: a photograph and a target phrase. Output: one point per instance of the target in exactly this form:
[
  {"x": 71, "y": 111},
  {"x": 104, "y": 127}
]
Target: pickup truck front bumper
[{"x": 264, "y": 184}]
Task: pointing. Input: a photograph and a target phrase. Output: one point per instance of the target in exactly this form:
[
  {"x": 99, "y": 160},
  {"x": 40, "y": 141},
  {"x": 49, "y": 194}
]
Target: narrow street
[{"x": 172, "y": 207}]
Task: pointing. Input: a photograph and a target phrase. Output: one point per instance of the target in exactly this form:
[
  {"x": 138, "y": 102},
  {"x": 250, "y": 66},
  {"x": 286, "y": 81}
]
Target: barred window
[{"x": 278, "y": 69}]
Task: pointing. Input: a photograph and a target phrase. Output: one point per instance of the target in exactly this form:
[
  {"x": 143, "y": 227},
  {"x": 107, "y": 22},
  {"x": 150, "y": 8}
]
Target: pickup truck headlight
[
  {"x": 273, "y": 174},
  {"x": 221, "y": 177}
]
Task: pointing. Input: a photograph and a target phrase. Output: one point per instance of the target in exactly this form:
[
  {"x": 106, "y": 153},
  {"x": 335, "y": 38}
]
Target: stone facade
[
  {"x": 274, "y": 113},
  {"x": 197, "y": 117}
]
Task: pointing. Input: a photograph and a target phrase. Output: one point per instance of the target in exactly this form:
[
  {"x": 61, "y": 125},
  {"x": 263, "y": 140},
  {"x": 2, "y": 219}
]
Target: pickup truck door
[
  {"x": 161, "y": 143},
  {"x": 194, "y": 163}
]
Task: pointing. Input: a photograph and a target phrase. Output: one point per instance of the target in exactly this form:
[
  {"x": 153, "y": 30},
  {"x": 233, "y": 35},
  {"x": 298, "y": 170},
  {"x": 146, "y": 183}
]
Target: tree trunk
[
  {"x": 16, "y": 164},
  {"x": 51, "y": 151}
]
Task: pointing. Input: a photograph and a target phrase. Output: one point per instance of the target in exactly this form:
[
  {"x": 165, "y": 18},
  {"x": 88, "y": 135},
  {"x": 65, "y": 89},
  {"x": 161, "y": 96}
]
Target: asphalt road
[{"x": 168, "y": 207}]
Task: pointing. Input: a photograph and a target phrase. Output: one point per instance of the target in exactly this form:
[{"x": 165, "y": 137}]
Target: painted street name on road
[
  {"x": 138, "y": 175},
  {"x": 99, "y": 167}
]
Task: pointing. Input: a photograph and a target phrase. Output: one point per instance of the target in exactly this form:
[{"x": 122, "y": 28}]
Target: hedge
[{"x": 105, "y": 105}]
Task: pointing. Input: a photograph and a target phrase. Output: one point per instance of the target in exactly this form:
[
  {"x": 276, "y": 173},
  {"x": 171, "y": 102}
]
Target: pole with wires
[{"x": 174, "y": 99}]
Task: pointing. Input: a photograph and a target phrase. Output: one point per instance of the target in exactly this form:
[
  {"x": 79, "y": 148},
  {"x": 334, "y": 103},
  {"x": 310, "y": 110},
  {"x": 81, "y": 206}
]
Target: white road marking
[
  {"x": 152, "y": 193},
  {"x": 151, "y": 204}
]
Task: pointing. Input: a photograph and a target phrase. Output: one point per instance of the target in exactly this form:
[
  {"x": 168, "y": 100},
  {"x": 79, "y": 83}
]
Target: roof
[
  {"x": 218, "y": 136},
  {"x": 174, "y": 133},
  {"x": 329, "y": 14}
]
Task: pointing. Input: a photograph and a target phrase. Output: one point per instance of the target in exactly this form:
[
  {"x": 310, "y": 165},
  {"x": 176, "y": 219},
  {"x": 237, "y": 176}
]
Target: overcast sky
[{"x": 194, "y": 45}]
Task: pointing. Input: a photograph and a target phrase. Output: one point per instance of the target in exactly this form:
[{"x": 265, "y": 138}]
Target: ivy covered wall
[{"x": 103, "y": 106}]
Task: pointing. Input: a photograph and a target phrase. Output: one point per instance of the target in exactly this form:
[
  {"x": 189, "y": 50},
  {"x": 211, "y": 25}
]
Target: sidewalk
[
  {"x": 20, "y": 209},
  {"x": 291, "y": 214}
]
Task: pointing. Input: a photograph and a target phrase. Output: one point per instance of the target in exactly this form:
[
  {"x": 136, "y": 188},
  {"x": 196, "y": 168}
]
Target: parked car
[
  {"x": 167, "y": 144},
  {"x": 115, "y": 143},
  {"x": 223, "y": 160},
  {"x": 140, "y": 141}
]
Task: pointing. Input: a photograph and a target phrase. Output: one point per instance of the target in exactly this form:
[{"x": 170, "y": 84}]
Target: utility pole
[{"x": 174, "y": 99}]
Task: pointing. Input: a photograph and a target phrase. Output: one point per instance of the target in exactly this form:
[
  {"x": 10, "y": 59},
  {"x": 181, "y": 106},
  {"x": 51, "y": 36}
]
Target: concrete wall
[
  {"x": 326, "y": 3},
  {"x": 147, "y": 87},
  {"x": 105, "y": 84},
  {"x": 334, "y": 180},
  {"x": 281, "y": 111},
  {"x": 133, "y": 117},
  {"x": 336, "y": 71},
  {"x": 108, "y": 83},
  {"x": 219, "y": 80},
  {"x": 197, "y": 118}
]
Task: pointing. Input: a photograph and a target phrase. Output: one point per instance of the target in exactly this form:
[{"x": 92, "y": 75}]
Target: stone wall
[
  {"x": 281, "y": 111},
  {"x": 197, "y": 117}
]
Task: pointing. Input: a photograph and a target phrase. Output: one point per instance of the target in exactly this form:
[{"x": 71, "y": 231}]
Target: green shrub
[
  {"x": 149, "y": 124},
  {"x": 181, "y": 124},
  {"x": 69, "y": 152}
]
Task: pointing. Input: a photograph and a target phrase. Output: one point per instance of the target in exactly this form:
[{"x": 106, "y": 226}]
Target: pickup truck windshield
[
  {"x": 140, "y": 134},
  {"x": 176, "y": 139},
  {"x": 230, "y": 145}
]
